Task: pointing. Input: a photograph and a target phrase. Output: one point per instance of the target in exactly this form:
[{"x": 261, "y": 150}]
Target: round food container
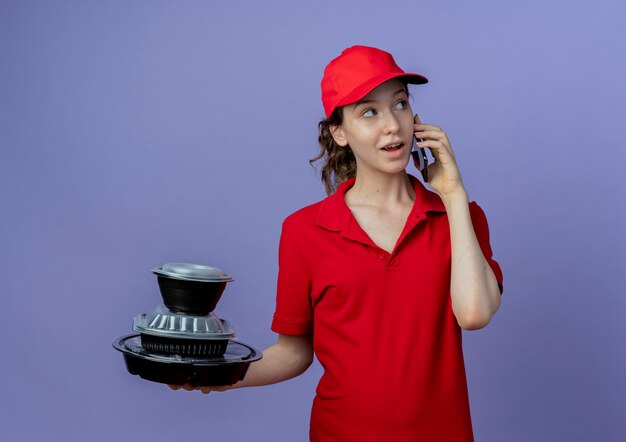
[
  {"x": 227, "y": 369},
  {"x": 168, "y": 332},
  {"x": 191, "y": 288},
  {"x": 183, "y": 341}
]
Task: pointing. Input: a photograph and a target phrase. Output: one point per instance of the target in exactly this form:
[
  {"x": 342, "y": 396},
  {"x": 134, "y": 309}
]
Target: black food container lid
[
  {"x": 192, "y": 272},
  {"x": 164, "y": 322}
]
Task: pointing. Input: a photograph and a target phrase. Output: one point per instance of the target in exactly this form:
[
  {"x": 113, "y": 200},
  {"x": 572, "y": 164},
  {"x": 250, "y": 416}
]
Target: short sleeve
[
  {"x": 481, "y": 228},
  {"x": 294, "y": 314}
]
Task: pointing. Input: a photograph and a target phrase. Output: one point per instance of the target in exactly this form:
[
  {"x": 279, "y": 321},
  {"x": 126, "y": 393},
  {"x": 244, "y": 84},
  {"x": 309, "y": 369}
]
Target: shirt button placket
[{"x": 384, "y": 257}]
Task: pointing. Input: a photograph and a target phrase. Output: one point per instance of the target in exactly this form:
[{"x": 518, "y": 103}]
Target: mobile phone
[{"x": 419, "y": 155}]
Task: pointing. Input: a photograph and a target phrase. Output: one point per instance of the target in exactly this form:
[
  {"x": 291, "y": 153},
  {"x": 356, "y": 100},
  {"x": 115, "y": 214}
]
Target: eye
[
  {"x": 402, "y": 104},
  {"x": 369, "y": 112}
]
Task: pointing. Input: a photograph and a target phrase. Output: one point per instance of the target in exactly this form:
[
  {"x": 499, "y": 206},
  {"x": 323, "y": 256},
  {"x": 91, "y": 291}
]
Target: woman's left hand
[
  {"x": 205, "y": 390},
  {"x": 443, "y": 174}
]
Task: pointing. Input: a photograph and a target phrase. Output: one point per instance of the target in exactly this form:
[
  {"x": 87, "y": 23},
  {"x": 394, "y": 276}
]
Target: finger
[
  {"x": 206, "y": 390},
  {"x": 174, "y": 387},
  {"x": 189, "y": 387},
  {"x": 438, "y": 149},
  {"x": 431, "y": 144},
  {"x": 443, "y": 141},
  {"x": 432, "y": 134},
  {"x": 423, "y": 126}
]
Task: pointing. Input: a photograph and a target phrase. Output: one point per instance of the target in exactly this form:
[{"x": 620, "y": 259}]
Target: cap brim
[{"x": 367, "y": 87}]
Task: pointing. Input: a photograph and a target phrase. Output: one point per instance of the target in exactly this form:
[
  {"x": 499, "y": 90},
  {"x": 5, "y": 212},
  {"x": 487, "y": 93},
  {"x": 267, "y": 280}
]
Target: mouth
[{"x": 391, "y": 147}]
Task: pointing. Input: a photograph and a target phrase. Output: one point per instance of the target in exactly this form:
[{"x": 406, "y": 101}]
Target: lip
[
  {"x": 397, "y": 153},
  {"x": 394, "y": 143}
]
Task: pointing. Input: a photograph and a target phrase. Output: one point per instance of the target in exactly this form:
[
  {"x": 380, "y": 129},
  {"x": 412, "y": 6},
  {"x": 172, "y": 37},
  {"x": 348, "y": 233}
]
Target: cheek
[
  {"x": 362, "y": 143},
  {"x": 408, "y": 118},
  {"x": 356, "y": 136}
]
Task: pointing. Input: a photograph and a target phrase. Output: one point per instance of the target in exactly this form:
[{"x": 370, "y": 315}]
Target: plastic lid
[
  {"x": 236, "y": 352},
  {"x": 164, "y": 322},
  {"x": 192, "y": 272}
]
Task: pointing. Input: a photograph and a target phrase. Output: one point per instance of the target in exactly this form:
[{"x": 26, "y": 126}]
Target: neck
[{"x": 381, "y": 190}]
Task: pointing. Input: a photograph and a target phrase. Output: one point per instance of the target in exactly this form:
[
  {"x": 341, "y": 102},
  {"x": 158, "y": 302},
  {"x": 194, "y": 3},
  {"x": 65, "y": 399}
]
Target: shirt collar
[{"x": 335, "y": 215}]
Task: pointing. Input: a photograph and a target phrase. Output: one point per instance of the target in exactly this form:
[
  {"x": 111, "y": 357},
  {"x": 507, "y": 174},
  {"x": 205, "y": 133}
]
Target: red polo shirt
[{"x": 382, "y": 324}]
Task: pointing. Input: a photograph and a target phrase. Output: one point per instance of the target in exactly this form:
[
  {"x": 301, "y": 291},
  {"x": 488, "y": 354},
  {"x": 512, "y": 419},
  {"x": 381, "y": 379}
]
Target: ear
[{"x": 338, "y": 135}]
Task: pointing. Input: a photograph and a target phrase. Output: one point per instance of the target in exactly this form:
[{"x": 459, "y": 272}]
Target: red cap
[{"x": 358, "y": 71}]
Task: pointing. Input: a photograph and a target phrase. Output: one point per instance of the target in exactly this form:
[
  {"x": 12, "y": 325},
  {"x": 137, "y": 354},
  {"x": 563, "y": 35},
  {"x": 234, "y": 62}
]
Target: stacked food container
[{"x": 182, "y": 341}]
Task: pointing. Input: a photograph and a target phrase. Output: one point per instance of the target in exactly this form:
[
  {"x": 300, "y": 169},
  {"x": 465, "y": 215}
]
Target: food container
[
  {"x": 170, "y": 332},
  {"x": 191, "y": 288},
  {"x": 176, "y": 370},
  {"x": 183, "y": 341}
]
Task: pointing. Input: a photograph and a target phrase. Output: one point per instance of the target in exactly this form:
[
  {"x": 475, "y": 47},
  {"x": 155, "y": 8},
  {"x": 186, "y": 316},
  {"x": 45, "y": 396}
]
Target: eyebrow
[{"x": 360, "y": 102}]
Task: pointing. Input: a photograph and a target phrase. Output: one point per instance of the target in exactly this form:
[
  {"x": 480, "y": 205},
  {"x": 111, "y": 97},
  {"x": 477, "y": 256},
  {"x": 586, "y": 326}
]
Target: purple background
[{"x": 137, "y": 133}]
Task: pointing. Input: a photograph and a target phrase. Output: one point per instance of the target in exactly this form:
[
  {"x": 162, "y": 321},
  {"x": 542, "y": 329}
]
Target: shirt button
[{"x": 382, "y": 256}]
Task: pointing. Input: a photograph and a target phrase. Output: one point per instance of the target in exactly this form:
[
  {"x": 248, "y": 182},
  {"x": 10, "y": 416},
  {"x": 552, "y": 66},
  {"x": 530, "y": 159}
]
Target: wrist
[{"x": 451, "y": 199}]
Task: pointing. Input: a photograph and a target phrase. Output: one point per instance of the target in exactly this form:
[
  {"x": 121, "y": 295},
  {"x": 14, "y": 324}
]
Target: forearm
[
  {"x": 288, "y": 358},
  {"x": 474, "y": 288}
]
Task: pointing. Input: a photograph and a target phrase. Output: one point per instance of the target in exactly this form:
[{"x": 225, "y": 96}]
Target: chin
[
  {"x": 396, "y": 170},
  {"x": 402, "y": 165}
]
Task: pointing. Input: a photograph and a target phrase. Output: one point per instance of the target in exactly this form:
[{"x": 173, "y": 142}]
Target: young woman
[{"x": 379, "y": 278}]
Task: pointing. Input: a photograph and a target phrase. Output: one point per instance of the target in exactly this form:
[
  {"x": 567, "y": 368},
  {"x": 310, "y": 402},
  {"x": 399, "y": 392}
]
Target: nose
[{"x": 390, "y": 123}]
